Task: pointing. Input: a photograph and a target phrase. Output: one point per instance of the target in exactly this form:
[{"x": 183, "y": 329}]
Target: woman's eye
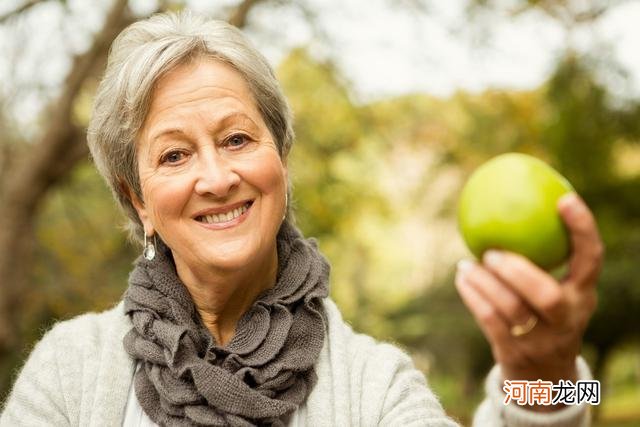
[
  {"x": 172, "y": 157},
  {"x": 237, "y": 140}
]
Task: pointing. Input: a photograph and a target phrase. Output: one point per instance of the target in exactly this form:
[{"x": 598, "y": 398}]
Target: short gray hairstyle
[{"x": 143, "y": 53}]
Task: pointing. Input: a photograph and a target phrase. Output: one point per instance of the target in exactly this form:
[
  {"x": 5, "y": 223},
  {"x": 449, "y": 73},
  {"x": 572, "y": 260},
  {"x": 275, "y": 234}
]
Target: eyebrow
[{"x": 220, "y": 123}]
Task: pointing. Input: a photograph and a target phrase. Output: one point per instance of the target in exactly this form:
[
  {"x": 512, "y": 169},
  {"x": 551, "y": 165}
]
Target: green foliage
[
  {"x": 622, "y": 387},
  {"x": 333, "y": 147},
  {"x": 580, "y": 126},
  {"x": 82, "y": 261}
]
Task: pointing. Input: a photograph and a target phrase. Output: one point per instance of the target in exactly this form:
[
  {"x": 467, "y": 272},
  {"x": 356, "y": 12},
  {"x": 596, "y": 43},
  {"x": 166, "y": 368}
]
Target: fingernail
[
  {"x": 464, "y": 265},
  {"x": 492, "y": 257}
]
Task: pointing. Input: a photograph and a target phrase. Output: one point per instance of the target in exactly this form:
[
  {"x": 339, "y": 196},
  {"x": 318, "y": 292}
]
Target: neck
[{"x": 222, "y": 297}]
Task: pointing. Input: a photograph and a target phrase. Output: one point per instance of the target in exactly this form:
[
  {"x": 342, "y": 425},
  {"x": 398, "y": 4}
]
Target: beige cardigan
[{"x": 80, "y": 375}]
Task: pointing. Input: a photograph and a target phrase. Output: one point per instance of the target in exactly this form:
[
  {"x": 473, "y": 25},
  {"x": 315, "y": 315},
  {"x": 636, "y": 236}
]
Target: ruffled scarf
[{"x": 261, "y": 376}]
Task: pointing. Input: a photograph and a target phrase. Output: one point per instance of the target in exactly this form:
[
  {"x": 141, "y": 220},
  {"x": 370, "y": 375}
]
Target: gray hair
[{"x": 139, "y": 57}]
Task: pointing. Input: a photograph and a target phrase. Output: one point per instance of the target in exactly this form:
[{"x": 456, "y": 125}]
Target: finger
[
  {"x": 587, "y": 248},
  {"x": 487, "y": 317},
  {"x": 510, "y": 305},
  {"x": 534, "y": 285}
]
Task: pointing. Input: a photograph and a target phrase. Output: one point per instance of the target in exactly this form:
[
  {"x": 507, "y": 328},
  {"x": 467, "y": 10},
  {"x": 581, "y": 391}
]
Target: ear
[
  {"x": 140, "y": 209},
  {"x": 285, "y": 169}
]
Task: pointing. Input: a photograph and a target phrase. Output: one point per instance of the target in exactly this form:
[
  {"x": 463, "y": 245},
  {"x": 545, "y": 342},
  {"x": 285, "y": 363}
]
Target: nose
[{"x": 216, "y": 176}]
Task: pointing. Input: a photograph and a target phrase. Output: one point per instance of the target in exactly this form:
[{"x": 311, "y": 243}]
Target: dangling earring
[{"x": 149, "y": 251}]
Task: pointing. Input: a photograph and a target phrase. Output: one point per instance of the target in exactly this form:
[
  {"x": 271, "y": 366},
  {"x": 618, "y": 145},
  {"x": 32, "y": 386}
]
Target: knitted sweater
[{"x": 79, "y": 374}]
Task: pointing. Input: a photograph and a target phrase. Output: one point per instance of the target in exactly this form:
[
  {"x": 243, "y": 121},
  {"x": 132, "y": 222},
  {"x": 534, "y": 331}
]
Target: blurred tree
[
  {"x": 584, "y": 131},
  {"x": 569, "y": 13},
  {"x": 31, "y": 168}
]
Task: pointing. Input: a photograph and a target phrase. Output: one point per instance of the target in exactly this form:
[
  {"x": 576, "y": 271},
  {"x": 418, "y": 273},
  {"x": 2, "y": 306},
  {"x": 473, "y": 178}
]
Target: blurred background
[{"x": 396, "y": 102}]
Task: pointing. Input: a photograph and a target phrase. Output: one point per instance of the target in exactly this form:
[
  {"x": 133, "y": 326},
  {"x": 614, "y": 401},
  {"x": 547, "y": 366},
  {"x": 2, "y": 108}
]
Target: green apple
[{"x": 510, "y": 203}]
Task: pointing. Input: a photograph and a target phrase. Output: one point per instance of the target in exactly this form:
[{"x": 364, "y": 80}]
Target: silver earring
[{"x": 149, "y": 251}]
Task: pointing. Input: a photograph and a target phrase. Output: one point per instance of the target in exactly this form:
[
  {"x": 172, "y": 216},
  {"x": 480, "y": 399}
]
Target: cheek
[
  {"x": 269, "y": 175},
  {"x": 165, "y": 198}
]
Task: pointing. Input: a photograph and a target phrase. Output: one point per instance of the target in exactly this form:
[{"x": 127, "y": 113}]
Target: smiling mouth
[{"x": 225, "y": 216}]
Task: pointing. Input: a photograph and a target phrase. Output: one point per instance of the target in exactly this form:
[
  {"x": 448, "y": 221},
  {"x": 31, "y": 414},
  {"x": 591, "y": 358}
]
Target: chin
[
  {"x": 232, "y": 256},
  {"x": 229, "y": 263}
]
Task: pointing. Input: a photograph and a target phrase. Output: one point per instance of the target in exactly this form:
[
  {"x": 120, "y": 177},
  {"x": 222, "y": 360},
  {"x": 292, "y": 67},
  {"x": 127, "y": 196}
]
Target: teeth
[{"x": 224, "y": 217}]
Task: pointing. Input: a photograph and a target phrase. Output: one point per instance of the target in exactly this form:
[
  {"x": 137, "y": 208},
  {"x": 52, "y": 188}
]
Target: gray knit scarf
[{"x": 261, "y": 376}]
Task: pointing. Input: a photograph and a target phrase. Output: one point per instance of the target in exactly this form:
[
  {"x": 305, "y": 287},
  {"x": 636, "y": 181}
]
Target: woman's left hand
[{"x": 534, "y": 322}]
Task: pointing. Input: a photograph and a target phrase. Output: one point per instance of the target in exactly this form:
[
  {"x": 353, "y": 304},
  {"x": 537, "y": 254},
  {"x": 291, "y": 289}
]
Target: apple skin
[{"x": 510, "y": 203}]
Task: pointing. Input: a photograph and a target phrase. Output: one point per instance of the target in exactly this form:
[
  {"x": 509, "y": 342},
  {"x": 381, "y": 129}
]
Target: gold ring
[{"x": 525, "y": 328}]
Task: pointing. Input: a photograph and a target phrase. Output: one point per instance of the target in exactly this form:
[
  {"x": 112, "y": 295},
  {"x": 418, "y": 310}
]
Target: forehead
[{"x": 199, "y": 81}]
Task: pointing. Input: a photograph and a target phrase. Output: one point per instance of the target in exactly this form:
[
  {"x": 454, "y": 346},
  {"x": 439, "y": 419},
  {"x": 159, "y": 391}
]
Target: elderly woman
[{"x": 227, "y": 319}]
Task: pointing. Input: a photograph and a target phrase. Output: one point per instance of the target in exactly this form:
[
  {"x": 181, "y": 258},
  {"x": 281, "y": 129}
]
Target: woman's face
[{"x": 213, "y": 184}]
